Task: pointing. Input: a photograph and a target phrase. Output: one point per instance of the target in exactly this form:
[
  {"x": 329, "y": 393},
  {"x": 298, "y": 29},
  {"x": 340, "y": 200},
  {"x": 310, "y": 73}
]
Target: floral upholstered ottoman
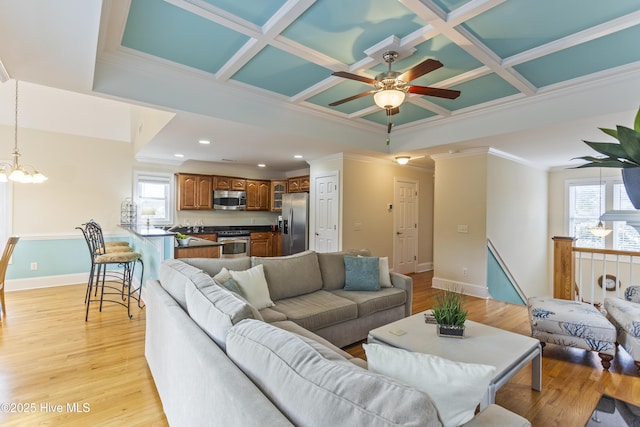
[
  {"x": 625, "y": 316},
  {"x": 573, "y": 324}
]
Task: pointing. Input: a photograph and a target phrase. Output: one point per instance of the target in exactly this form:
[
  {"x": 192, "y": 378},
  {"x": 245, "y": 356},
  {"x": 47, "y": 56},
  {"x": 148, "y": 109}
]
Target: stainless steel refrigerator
[{"x": 295, "y": 223}]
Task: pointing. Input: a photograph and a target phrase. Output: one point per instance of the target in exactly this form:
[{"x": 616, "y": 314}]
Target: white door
[
  {"x": 326, "y": 214},
  {"x": 405, "y": 219}
]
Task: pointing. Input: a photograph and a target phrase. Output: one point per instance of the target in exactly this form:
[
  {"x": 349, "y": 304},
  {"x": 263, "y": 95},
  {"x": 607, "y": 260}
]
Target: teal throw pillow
[{"x": 361, "y": 273}]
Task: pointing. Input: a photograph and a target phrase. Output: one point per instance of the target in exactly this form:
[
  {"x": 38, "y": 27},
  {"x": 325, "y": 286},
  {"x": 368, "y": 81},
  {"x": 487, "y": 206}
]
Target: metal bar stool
[{"x": 103, "y": 260}]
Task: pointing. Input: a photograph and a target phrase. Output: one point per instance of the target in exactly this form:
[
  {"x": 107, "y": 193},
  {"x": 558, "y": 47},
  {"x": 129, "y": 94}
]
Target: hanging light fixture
[
  {"x": 389, "y": 98},
  {"x": 14, "y": 171},
  {"x": 599, "y": 230},
  {"x": 403, "y": 160}
]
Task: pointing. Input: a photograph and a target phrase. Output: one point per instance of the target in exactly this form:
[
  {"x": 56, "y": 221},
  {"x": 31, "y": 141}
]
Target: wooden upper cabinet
[
  {"x": 258, "y": 195},
  {"x": 194, "y": 192},
  {"x": 278, "y": 188},
  {"x": 298, "y": 184},
  {"x": 229, "y": 183}
]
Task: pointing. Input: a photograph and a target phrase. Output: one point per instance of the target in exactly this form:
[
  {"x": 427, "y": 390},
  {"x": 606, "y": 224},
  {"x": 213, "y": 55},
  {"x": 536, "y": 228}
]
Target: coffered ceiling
[{"x": 254, "y": 76}]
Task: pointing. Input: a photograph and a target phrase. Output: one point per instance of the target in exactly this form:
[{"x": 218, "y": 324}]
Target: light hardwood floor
[{"x": 49, "y": 357}]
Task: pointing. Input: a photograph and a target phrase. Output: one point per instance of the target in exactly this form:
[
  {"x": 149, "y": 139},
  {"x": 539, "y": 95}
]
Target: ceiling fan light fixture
[
  {"x": 403, "y": 160},
  {"x": 389, "y": 98}
]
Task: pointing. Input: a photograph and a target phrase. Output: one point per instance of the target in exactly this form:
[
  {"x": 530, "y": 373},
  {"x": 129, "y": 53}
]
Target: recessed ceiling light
[
  {"x": 204, "y": 141},
  {"x": 297, "y": 156},
  {"x": 261, "y": 165},
  {"x": 179, "y": 155}
]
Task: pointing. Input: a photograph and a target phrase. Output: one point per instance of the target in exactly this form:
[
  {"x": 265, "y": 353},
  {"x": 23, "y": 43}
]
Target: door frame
[{"x": 397, "y": 179}]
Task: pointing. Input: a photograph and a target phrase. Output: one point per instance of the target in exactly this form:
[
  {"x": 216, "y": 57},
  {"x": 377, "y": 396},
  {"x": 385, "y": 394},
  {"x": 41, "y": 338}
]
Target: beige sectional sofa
[{"x": 218, "y": 360}]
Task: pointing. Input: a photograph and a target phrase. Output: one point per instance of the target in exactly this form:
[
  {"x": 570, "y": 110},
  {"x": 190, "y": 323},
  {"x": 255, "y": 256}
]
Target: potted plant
[
  {"x": 182, "y": 239},
  {"x": 624, "y": 154},
  {"x": 450, "y": 314}
]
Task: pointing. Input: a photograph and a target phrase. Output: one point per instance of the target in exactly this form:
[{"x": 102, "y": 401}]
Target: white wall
[
  {"x": 460, "y": 199},
  {"x": 517, "y": 197}
]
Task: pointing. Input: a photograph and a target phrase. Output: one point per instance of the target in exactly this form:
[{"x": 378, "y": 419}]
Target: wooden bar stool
[{"x": 4, "y": 263}]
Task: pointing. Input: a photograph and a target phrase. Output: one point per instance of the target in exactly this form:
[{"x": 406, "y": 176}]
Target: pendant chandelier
[
  {"x": 15, "y": 171},
  {"x": 599, "y": 230}
]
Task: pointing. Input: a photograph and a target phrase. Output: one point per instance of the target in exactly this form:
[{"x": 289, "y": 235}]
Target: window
[
  {"x": 587, "y": 201},
  {"x": 154, "y": 190}
]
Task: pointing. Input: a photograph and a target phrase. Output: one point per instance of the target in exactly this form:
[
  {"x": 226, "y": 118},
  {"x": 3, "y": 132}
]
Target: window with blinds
[{"x": 587, "y": 201}]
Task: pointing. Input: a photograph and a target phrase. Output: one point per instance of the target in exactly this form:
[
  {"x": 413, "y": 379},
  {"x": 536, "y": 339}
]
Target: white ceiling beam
[
  {"x": 469, "y": 10},
  {"x": 576, "y": 39},
  {"x": 217, "y": 15},
  {"x": 4, "y": 74},
  {"x": 471, "y": 45}
]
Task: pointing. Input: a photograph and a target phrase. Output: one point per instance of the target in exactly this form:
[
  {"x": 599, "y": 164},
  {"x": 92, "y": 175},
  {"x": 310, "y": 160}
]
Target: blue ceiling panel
[
  {"x": 408, "y": 113},
  {"x": 454, "y": 58},
  {"x": 255, "y": 11},
  {"x": 160, "y": 29},
  {"x": 515, "y": 25},
  {"x": 596, "y": 55},
  {"x": 278, "y": 71},
  {"x": 343, "y": 90},
  {"x": 450, "y": 5},
  {"x": 477, "y": 91},
  {"x": 345, "y": 29}
]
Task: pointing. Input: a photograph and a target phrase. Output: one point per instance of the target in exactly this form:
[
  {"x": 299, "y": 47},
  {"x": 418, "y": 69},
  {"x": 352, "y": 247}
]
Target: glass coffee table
[{"x": 507, "y": 351}]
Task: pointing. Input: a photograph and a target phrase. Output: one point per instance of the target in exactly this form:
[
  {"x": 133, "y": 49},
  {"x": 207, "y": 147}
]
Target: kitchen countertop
[
  {"x": 195, "y": 242},
  {"x": 142, "y": 230}
]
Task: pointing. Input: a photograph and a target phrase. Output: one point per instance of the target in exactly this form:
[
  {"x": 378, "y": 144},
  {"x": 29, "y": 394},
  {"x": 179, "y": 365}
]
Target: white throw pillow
[
  {"x": 254, "y": 286},
  {"x": 455, "y": 387},
  {"x": 385, "y": 279}
]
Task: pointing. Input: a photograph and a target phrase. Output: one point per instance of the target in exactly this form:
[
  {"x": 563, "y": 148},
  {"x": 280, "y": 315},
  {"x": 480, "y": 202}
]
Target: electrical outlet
[
  {"x": 465, "y": 271},
  {"x": 34, "y": 266}
]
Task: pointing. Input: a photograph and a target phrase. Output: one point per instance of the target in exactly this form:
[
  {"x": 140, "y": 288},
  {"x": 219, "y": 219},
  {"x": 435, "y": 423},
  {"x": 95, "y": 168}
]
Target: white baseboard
[
  {"x": 51, "y": 281},
  {"x": 46, "y": 281},
  {"x": 466, "y": 288},
  {"x": 425, "y": 266}
]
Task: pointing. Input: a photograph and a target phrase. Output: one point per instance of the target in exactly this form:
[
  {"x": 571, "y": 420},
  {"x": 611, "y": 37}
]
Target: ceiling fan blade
[
  {"x": 351, "y": 98},
  {"x": 351, "y": 76},
  {"x": 434, "y": 91},
  {"x": 393, "y": 111},
  {"x": 421, "y": 69}
]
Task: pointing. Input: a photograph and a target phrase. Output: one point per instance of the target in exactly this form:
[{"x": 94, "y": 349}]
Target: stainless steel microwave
[{"x": 229, "y": 200}]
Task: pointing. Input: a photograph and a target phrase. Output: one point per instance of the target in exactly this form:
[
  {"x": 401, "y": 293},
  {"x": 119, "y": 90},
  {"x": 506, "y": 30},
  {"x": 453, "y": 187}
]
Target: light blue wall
[
  {"x": 500, "y": 287},
  {"x": 54, "y": 257}
]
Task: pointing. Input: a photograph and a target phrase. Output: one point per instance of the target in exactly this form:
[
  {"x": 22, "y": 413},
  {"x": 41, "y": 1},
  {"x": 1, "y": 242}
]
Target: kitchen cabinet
[
  {"x": 298, "y": 184},
  {"x": 276, "y": 244},
  {"x": 207, "y": 236},
  {"x": 229, "y": 183},
  {"x": 261, "y": 244},
  {"x": 196, "y": 252},
  {"x": 194, "y": 192},
  {"x": 258, "y": 195},
  {"x": 278, "y": 188}
]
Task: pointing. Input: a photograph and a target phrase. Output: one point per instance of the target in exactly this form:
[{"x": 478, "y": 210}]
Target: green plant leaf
[
  {"x": 636, "y": 122},
  {"x": 630, "y": 142},
  {"x": 609, "y": 149},
  {"x": 611, "y": 132}
]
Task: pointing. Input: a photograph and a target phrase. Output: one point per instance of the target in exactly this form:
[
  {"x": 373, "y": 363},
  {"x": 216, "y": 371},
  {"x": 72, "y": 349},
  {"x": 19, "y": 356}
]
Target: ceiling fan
[{"x": 390, "y": 87}]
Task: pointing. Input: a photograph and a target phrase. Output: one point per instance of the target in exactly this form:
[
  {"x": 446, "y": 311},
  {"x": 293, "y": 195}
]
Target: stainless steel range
[{"x": 236, "y": 243}]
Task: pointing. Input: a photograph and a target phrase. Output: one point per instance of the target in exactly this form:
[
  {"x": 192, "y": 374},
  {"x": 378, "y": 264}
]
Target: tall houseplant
[{"x": 624, "y": 154}]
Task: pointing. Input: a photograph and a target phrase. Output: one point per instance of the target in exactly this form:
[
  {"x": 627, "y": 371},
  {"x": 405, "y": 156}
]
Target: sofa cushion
[
  {"x": 373, "y": 302},
  {"x": 173, "y": 276},
  {"x": 253, "y": 286},
  {"x": 332, "y": 268},
  {"x": 224, "y": 279},
  {"x": 317, "y": 310},
  {"x": 215, "y": 310},
  {"x": 312, "y": 390},
  {"x": 212, "y": 266},
  {"x": 291, "y": 275},
  {"x": 322, "y": 343},
  {"x": 361, "y": 273},
  {"x": 270, "y": 315},
  {"x": 456, "y": 388},
  {"x": 625, "y": 313}
]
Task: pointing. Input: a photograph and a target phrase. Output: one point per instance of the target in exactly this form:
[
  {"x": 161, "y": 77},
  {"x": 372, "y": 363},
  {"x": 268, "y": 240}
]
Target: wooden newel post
[{"x": 563, "y": 268}]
